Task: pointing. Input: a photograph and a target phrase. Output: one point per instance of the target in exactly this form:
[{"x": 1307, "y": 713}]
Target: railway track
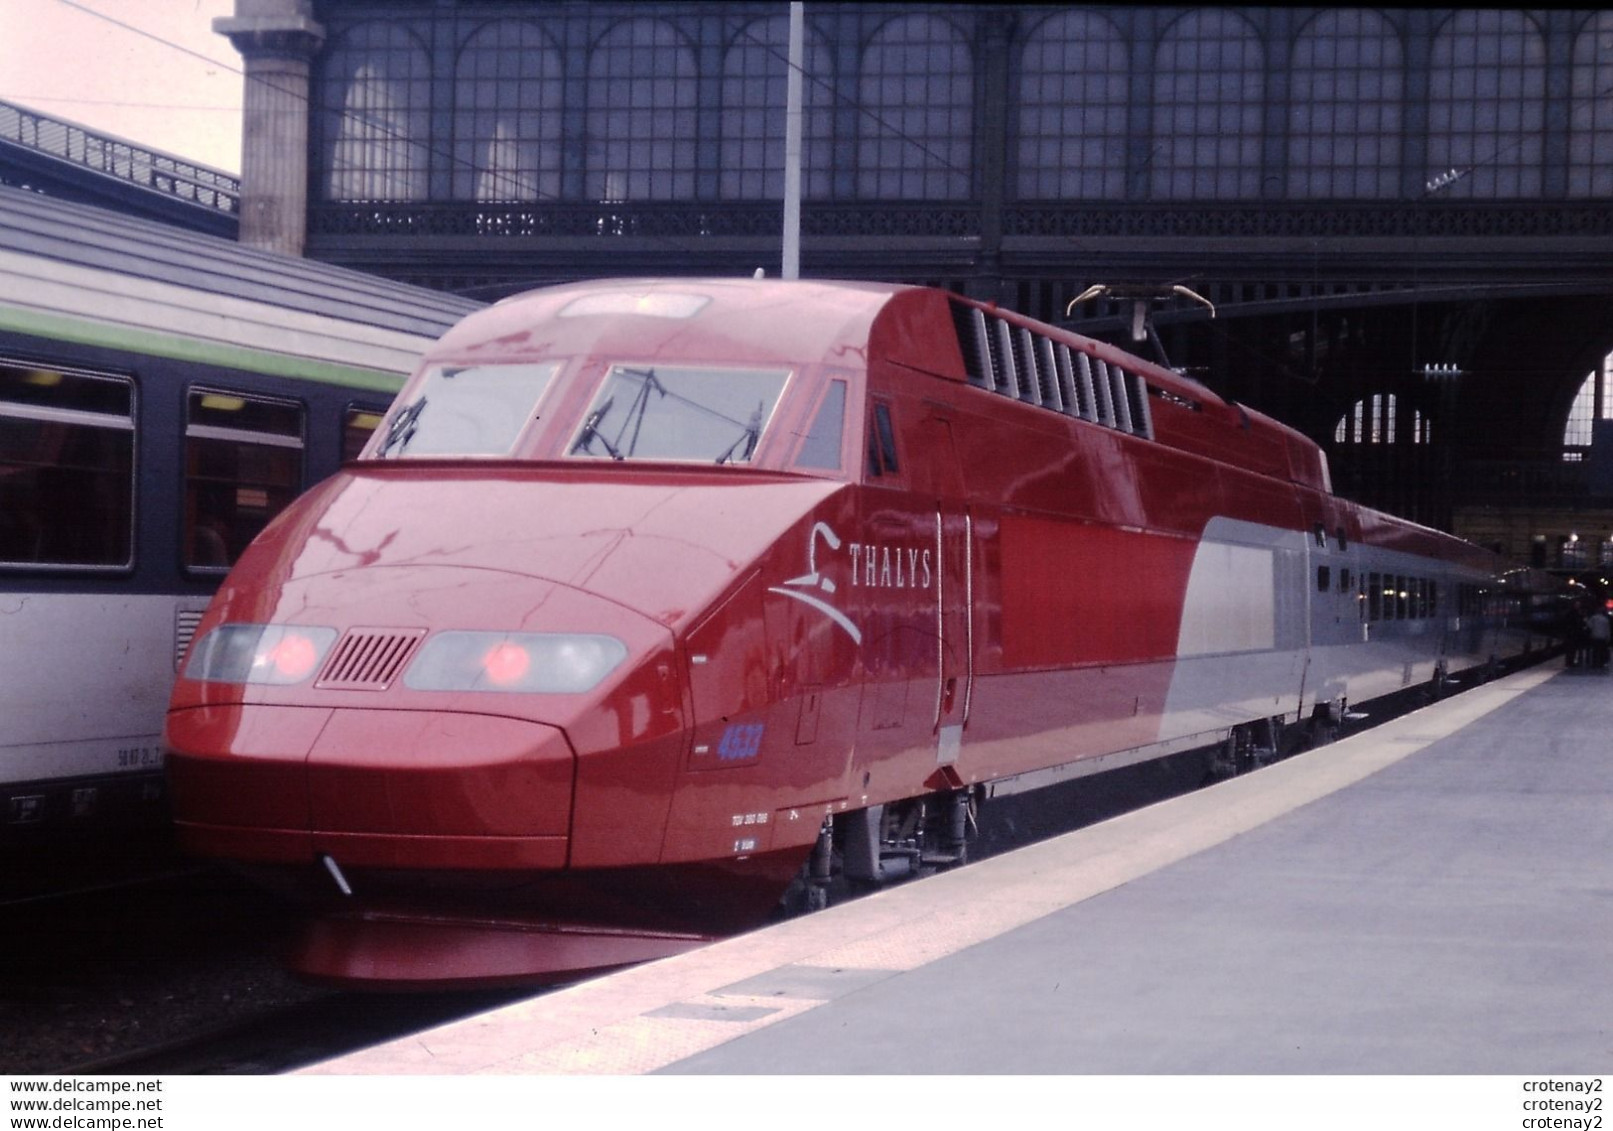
[
  {"x": 286, "y": 1037},
  {"x": 97, "y": 970},
  {"x": 172, "y": 968}
]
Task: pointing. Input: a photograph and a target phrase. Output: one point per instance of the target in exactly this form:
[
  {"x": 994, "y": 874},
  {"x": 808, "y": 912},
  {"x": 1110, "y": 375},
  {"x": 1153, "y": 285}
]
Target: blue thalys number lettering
[{"x": 740, "y": 741}]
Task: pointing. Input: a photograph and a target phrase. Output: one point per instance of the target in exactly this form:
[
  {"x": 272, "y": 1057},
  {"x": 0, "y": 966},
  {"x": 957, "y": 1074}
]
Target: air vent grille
[
  {"x": 369, "y": 659},
  {"x": 185, "y": 622}
]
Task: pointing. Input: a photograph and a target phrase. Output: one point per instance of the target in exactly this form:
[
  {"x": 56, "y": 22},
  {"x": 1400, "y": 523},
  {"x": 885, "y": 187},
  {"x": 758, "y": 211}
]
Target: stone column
[{"x": 277, "y": 40}]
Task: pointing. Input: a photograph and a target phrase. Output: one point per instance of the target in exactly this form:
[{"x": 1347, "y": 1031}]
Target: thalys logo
[{"x": 872, "y": 567}]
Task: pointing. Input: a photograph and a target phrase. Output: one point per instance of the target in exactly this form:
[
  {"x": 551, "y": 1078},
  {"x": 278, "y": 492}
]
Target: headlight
[
  {"x": 259, "y": 653},
  {"x": 514, "y": 661}
]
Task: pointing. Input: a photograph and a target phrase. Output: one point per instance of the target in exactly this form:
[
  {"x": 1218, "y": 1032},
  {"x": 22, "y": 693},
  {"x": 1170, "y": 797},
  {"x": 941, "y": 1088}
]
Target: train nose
[
  {"x": 447, "y": 741},
  {"x": 290, "y": 784}
]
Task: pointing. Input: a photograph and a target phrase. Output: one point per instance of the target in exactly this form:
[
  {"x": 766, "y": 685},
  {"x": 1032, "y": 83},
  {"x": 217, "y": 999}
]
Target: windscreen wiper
[
  {"x": 590, "y": 432},
  {"x": 752, "y": 433},
  {"x": 400, "y": 430},
  {"x": 641, "y": 403}
]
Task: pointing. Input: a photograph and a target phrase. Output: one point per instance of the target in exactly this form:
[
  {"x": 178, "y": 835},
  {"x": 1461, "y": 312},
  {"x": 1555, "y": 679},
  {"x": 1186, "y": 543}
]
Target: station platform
[{"x": 1432, "y": 896}]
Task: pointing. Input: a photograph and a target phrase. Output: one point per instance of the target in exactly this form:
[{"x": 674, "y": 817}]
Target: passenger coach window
[
  {"x": 667, "y": 412},
  {"x": 358, "y": 425},
  {"x": 821, "y": 448},
  {"x": 243, "y": 464},
  {"x": 465, "y": 410},
  {"x": 66, "y": 468}
]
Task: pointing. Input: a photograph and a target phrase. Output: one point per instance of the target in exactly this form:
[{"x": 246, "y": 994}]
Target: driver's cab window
[
  {"x": 882, "y": 459},
  {"x": 820, "y": 448}
]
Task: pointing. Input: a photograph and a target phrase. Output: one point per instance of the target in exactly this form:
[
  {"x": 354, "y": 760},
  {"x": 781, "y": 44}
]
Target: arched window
[
  {"x": 1072, "y": 110},
  {"x": 1591, "y": 403},
  {"x": 755, "y": 71},
  {"x": 375, "y": 85},
  {"x": 1590, "y": 116},
  {"x": 1487, "y": 106},
  {"x": 1209, "y": 83},
  {"x": 641, "y": 114},
  {"x": 1344, "y": 115},
  {"x": 507, "y": 93},
  {"x": 916, "y": 128},
  {"x": 1375, "y": 420}
]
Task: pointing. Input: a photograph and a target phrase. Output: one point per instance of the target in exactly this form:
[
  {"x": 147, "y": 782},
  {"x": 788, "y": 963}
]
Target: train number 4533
[{"x": 740, "y": 741}]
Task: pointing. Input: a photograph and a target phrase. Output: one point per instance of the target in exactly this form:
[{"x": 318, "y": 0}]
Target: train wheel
[
  {"x": 1235, "y": 755},
  {"x": 1327, "y": 720},
  {"x": 809, "y": 890},
  {"x": 1248, "y": 746},
  {"x": 820, "y": 869}
]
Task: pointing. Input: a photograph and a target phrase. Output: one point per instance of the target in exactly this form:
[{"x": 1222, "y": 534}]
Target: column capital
[{"x": 288, "y": 36}]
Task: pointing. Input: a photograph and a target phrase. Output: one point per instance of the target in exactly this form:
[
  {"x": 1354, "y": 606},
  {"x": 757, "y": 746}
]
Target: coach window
[
  {"x": 243, "y": 464},
  {"x": 820, "y": 450},
  {"x": 358, "y": 425},
  {"x": 1375, "y": 597},
  {"x": 66, "y": 468}
]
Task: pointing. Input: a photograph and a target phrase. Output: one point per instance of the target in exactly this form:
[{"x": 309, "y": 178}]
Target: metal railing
[
  {"x": 647, "y": 219},
  {"x": 148, "y": 169}
]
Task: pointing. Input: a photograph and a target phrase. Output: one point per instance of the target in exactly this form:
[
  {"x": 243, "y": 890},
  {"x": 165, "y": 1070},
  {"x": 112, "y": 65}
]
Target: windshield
[
  {"x": 465, "y": 410},
  {"x": 667, "y": 412}
]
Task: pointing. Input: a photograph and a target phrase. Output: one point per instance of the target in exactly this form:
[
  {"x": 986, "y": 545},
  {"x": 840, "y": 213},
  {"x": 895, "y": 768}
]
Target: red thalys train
[{"x": 654, "y": 601}]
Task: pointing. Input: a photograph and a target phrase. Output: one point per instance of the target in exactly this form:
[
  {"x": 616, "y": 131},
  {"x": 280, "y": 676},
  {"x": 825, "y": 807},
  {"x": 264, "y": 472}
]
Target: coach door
[{"x": 954, "y": 587}]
